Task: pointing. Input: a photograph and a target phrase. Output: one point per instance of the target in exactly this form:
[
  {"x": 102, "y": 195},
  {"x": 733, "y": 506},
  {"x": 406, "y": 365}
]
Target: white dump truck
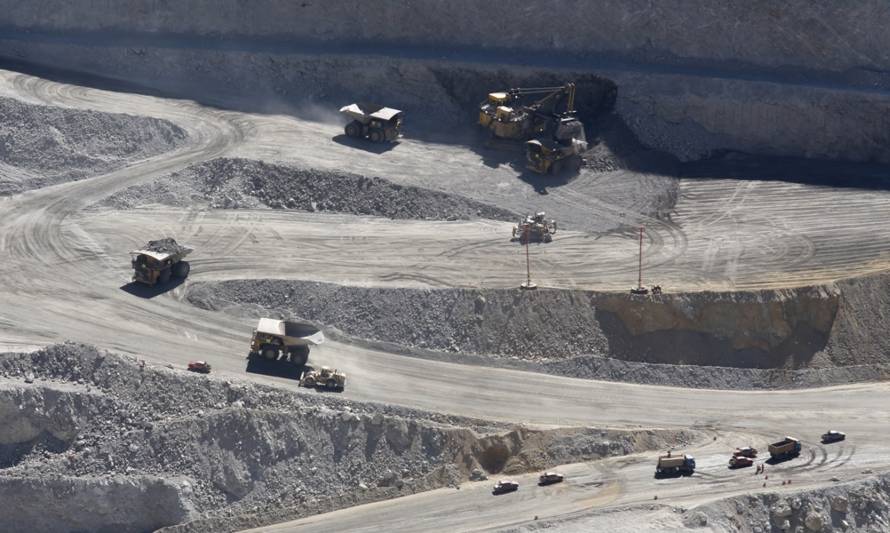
[
  {"x": 372, "y": 121},
  {"x": 284, "y": 340}
]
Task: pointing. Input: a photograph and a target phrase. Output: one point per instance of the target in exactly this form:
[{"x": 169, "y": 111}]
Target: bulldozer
[
  {"x": 284, "y": 340},
  {"x": 561, "y": 152},
  {"x": 373, "y": 122},
  {"x": 535, "y": 228},
  {"x": 160, "y": 260},
  {"x": 506, "y": 116},
  {"x": 327, "y": 378}
]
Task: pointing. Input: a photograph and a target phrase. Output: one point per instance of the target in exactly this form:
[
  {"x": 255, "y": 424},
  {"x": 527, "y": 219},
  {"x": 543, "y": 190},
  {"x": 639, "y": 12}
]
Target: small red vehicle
[
  {"x": 740, "y": 461},
  {"x": 202, "y": 367}
]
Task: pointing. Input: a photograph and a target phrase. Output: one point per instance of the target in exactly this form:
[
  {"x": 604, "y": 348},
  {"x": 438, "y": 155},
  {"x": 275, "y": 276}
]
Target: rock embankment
[
  {"x": 247, "y": 183},
  {"x": 148, "y": 447},
  {"x": 42, "y": 145},
  {"x": 793, "y": 337},
  {"x": 857, "y": 506}
]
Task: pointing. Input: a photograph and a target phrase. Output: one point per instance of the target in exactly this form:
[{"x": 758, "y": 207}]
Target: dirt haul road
[{"x": 64, "y": 267}]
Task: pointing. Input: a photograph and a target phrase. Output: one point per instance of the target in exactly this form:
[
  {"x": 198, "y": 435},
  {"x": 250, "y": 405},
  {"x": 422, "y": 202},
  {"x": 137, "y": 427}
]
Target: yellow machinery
[
  {"x": 506, "y": 116},
  {"x": 160, "y": 260},
  {"x": 561, "y": 152},
  {"x": 555, "y": 137}
]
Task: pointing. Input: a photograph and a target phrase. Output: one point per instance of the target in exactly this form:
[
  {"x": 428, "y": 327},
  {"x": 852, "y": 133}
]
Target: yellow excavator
[
  {"x": 555, "y": 137},
  {"x": 507, "y": 115}
]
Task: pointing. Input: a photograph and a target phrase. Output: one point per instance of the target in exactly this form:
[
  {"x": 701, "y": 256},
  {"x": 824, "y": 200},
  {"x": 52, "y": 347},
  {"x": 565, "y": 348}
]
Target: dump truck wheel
[
  {"x": 376, "y": 136},
  {"x": 577, "y": 163},
  {"x": 548, "y": 237},
  {"x": 353, "y": 129},
  {"x": 309, "y": 382},
  {"x": 164, "y": 276},
  {"x": 182, "y": 269},
  {"x": 331, "y": 384},
  {"x": 269, "y": 352},
  {"x": 299, "y": 355}
]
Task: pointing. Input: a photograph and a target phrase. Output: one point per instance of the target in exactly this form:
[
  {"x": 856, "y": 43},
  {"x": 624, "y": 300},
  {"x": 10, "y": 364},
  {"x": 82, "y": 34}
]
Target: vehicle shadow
[
  {"x": 364, "y": 144},
  {"x": 541, "y": 182},
  {"x": 779, "y": 460},
  {"x": 278, "y": 369},
  {"x": 148, "y": 292}
]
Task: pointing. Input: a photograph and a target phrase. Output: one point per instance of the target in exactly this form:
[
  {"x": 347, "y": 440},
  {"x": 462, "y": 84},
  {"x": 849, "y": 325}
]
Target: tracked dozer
[{"x": 534, "y": 228}]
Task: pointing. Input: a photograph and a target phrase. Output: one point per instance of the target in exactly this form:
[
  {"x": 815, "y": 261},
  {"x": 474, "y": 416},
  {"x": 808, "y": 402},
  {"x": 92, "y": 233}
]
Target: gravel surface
[
  {"x": 244, "y": 183},
  {"x": 857, "y": 506},
  {"x": 42, "y": 145},
  {"x": 760, "y": 339},
  {"x": 217, "y": 451},
  {"x": 860, "y": 506}
]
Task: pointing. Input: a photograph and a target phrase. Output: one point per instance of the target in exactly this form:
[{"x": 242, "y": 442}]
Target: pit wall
[
  {"x": 103, "y": 504},
  {"x": 820, "y": 327},
  {"x": 688, "y": 116},
  {"x": 845, "y": 37}
]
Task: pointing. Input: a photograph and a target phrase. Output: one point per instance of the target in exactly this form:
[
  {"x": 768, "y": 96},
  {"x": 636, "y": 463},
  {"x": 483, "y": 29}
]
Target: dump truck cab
[
  {"x": 284, "y": 340},
  {"x": 373, "y": 122},
  {"x": 159, "y": 261}
]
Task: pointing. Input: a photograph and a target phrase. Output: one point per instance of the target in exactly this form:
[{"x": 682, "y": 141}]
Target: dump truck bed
[
  {"x": 163, "y": 249},
  {"x": 671, "y": 462},
  {"x": 784, "y": 445},
  {"x": 295, "y": 333},
  {"x": 364, "y": 111}
]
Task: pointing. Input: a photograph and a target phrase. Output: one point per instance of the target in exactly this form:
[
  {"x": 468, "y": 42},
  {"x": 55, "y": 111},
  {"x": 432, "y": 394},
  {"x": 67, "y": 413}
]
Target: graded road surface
[{"x": 65, "y": 266}]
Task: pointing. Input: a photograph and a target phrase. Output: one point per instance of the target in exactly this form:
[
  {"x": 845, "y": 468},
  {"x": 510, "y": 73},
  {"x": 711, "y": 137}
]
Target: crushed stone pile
[
  {"x": 245, "y": 183},
  {"x": 764, "y": 339},
  {"x": 43, "y": 145},
  {"x": 855, "y": 506},
  {"x": 223, "y": 454},
  {"x": 166, "y": 245}
]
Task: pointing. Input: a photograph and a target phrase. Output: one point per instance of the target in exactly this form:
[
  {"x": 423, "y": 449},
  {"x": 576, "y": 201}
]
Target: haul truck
[
  {"x": 784, "y": 449},
  {"x": 284, "y": 340},
  {"x": 669, "y": 465}
]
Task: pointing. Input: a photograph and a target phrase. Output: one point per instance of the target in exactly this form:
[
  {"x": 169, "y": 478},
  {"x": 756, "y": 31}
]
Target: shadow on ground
[
  {"x": 275, "y": 368},
  {"x": 148, "y": 292},
  {"x": 743, "y": 166},
  {"x": 364, "y": 144}
]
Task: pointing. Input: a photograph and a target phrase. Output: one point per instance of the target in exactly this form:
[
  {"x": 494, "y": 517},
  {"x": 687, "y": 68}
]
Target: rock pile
[
  {"x": 246, "y": 183},
  {"x": 42, "y": 145},
  {"x": 158, "y": 447}
]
